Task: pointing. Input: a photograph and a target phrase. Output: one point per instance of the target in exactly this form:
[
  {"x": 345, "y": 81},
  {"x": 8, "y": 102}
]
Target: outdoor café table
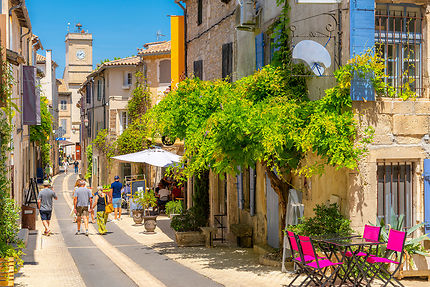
[{"x": 354, "y": 245}]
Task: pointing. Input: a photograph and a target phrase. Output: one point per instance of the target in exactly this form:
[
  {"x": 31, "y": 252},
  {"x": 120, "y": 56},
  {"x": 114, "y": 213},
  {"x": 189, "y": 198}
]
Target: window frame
[
  {"x": 99, "y": 90},
  {"x": 63, "y": 105},
  {"x": 199, "y": 12}
]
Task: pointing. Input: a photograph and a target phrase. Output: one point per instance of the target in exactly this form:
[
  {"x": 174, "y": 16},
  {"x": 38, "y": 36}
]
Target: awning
[{"x": 154, "y": 156}]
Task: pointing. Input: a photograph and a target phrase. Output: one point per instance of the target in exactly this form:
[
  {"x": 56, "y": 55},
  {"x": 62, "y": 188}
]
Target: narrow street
[{"x": 115, "y": 259}]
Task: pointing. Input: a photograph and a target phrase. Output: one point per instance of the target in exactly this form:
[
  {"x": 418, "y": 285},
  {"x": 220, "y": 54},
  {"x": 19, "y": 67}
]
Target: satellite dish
[{"x": 314, "y": 54}]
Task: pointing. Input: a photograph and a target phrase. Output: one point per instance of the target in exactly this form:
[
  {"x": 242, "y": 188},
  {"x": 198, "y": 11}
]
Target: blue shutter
[
  {"x": 239, "y": 186},
  {"x": 252, "y": 191},
  {"x": 362, "y": 38},
  {"x": 259, "y": 51},
  {"x": 427, "y": 195}
]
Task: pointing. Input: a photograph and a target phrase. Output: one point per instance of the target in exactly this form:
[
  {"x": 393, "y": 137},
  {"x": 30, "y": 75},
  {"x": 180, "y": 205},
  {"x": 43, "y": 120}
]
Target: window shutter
[
  {"x": 239, "y": 185},
  {"x": 227, "y": 61},
  {"x": 426, "y": 195},
  {"x": 252, "y": 177},
  {"x": 362, "y": 38},
  {"x": 259, "y": 51},
  {"x": 198, "y": 69}
]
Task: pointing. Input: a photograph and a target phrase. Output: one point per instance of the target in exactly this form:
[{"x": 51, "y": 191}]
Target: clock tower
[{"x": 79, "y": 64}]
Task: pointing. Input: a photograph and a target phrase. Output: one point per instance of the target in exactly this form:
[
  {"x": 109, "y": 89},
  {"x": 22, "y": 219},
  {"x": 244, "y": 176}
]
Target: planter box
[
  {"x": 7, "y": 271},
  {"x": 418, "y": 268},
  {"x": 190, "y": 238}
]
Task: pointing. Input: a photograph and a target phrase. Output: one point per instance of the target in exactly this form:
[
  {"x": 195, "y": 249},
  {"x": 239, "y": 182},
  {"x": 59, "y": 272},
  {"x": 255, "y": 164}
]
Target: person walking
[
  {"x": 66, "y": 166},
  {"x": 76, "y": 164},
  {"x": 115, "y": 188},
  {"x": 101, "y": 200},
  {"x": 82, "y": 199},
  {"x": 44, "y": 203}
]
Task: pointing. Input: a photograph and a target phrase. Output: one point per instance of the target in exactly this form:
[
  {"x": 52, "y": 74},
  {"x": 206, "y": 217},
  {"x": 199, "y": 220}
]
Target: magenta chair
[
  {"x": 316, "y": 269},
  {"x": 395, "y": 245},
  {"x": 370, "y": 233},
  {"x": 297, "y": 258}
]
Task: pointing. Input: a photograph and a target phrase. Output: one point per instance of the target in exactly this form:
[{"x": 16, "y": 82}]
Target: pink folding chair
[
  {"x": 370, "y": 233},
  {"x": 316, "y": 269},
  {"x": 395, "y": 245}
]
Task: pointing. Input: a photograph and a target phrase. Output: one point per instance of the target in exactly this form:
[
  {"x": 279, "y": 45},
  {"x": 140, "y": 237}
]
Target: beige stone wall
[{"x": 206, "y": 40}]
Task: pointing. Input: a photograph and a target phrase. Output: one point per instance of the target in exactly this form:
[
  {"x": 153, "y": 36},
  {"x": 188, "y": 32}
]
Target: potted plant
[
  {"x": 187, "y": 228},
  {"x": 174, "y": 208},
  {"x": 414, "y": 261},
  {"x": 147, "y": 199}
]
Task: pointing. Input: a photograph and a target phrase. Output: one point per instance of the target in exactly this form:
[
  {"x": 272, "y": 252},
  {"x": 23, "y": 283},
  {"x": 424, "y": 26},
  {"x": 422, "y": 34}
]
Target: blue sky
[{"x": 118, "y": 27}]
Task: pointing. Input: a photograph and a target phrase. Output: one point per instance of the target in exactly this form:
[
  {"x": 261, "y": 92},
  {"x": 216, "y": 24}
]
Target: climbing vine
[
  {"x": 103, "y": 143},
  {"x": 89, "y": 152},
  {"x": 41, "y": 133},
  {"x": 140, "y": 100},
  {"x": 10, "y": 245}
]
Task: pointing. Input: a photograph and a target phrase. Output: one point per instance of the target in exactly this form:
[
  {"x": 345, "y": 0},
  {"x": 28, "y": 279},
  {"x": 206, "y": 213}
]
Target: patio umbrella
[{"x": 154, "y": 156}]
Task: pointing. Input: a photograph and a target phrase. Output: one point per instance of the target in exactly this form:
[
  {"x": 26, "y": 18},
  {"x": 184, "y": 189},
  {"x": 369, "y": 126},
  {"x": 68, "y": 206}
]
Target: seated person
[
  {"x": 176, "y": 192},
  {"x": 157, "y": 189},
  {"x": 164, "y": 195}
]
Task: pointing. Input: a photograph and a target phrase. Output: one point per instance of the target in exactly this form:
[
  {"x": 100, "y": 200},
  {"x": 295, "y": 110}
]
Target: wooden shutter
[
  {"x": 362, "y": 38},
  {"x": 239, "y": 185},
  {"x": 199, "y": 12},
  {"x": 227, "y": 60},
  {"x": 252, "y": 177},
  {"x": 259, "y": 51},
  {"x": 198, "y": 69},
  {"x": 427, "y": 195}
]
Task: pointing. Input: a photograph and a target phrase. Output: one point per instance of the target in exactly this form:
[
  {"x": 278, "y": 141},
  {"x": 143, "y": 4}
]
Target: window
[
  {"x": 164, "y": 72},
  {"x": 199, "y": 12},
  {"x": 123, "y": 122},
  {"x": 128, "y": 78},
  {"x": 398, "y": 38},
  {"x": 395, "y": 189},
  {"x": 198, "y": 69},
  {"x": 88, "y": 93},
  {"x": 99, "y": 90},
  {"x": 64, "y": 125},
  {"x": 89, "y": 126},
  {"x": 63, "y": 105},
  {"x": 227, "y": 61}
]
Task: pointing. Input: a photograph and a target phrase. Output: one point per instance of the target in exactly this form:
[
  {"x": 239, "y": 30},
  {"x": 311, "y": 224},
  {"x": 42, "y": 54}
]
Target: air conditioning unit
[{"x": 247, "y": 15}]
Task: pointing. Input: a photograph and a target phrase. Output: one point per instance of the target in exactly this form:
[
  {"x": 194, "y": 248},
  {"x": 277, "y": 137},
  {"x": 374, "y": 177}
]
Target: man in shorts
[
  {"x": 44, "y": 203},
  {"x": 82, "y": 202},
  {"x": 115, "y": 188}
]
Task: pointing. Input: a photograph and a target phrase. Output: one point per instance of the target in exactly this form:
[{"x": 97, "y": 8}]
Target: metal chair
[{"x": 395, "y": 245}]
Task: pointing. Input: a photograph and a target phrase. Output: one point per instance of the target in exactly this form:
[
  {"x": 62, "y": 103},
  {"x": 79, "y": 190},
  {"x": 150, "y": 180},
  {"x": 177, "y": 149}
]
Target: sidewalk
[
  {"x": 229, "y": 266},
  {"x": 47, "y": 261}
]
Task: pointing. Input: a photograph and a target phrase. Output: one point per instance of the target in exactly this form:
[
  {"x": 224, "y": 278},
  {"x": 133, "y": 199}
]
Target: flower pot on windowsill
[{"x": 7, "y": 271}]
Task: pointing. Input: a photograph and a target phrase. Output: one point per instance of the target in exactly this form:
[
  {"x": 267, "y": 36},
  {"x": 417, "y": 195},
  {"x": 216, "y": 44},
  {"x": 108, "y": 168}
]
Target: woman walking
[{"x": 101, "y": 200}]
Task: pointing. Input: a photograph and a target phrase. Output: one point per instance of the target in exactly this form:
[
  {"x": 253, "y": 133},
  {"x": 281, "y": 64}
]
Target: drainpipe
[
  {"x": 10, "y": 22},
  {"x": 185, "y": 34}
]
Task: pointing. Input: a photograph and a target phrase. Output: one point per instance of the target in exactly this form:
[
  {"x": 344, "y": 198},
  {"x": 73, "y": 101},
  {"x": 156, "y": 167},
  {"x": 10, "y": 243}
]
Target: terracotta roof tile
[
  {"x": 40, "y": 59},
  {"x": 134, "y": 60},
  {"x": 155, "y": 48}
]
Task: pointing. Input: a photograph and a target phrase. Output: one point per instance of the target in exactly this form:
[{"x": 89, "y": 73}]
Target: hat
[
  {"x": 116, "y": 177},
  {"x": 46, "y": 183}
]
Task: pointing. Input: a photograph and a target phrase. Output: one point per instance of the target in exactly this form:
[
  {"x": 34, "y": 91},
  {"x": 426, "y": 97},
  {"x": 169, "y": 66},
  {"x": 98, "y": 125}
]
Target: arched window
[{"x": 164, "y": 72}]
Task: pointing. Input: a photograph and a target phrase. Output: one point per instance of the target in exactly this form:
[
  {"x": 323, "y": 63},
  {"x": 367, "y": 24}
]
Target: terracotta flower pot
[
  {"x": 138, "y": 216},
  {"x": 150, "y": 223},
  {"x": 7, "y": 271}
]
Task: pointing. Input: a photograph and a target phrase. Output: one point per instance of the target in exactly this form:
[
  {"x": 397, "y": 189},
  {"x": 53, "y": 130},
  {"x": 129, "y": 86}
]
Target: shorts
[
  {"x": 82, "y": 211},
  {"x": 117, "y": 202},
  {"x": 45, "y": 214}
]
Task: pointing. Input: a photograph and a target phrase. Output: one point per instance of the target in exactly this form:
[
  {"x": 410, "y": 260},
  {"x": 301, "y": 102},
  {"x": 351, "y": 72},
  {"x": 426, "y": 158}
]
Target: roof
[
  {"x": 62, "y": 87},
  {"x": 21, "y": 13},
  {"x": 40, "y": 59},
  {"x": 129, "y": 61},
  {"x": 155, "y": 48}
]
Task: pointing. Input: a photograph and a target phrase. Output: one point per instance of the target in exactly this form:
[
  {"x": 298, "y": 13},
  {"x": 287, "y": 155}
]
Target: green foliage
[
  {"x": 140, "y": 100},
  {"x": 89, "y": 152},
  {"x": 412, "y": 245},
  {"x": 103, "y": 143},
  {"x": 189, "y": 220},
  {"x": 327, "y": 220},
  {"x": 10, "y": 245},
  {"x": 40, "y": 133},
  {"x": 174, "y": 207},
  {"x": 145, "y": 199},
  {"x": 134, "y": 138}
]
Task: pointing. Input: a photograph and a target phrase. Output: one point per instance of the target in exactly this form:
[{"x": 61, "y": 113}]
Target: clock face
[{"x": 80, "y": 54}]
